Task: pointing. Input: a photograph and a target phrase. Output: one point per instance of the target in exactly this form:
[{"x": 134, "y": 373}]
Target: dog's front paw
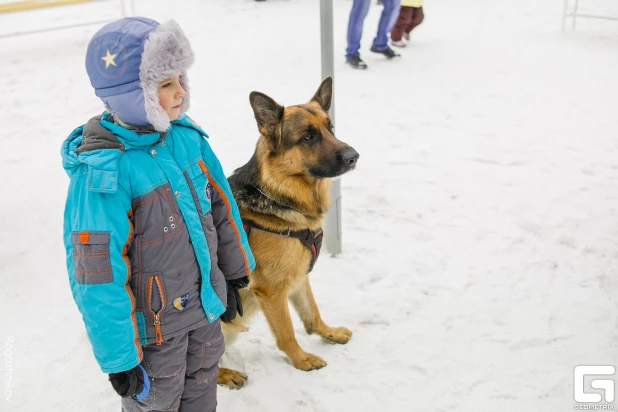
[
  {"x": 231, "y": 378},
  {"x": 309, "y": 362},
  {"x": 338, "y": 335}
]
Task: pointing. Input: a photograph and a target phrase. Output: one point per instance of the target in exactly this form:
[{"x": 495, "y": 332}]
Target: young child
[
  {"x": 153, "y": 236},
  {"x": 410, "y": 16}
]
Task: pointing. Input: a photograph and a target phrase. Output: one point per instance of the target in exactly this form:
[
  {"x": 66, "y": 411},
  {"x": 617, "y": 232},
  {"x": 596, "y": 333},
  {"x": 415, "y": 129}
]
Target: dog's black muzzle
[
  {"x": 343, "y": 161},
  {"x": 347, "y": 158}
]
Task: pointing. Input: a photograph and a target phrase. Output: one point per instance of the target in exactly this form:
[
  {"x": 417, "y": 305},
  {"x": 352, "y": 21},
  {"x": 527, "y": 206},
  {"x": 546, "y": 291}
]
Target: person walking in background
[
  {"x": 410, "y": 16},
  {"x": 359, "y": 11}
]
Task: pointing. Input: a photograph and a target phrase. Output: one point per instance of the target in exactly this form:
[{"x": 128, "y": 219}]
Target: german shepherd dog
[{"x": 284, "y": 188}]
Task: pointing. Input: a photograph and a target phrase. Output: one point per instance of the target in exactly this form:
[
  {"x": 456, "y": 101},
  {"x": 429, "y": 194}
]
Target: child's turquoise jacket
[{"x": 151, "y": 232}]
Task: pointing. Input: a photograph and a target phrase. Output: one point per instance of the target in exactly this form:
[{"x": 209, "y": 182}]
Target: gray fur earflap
[{"x": 167, "y": 52}]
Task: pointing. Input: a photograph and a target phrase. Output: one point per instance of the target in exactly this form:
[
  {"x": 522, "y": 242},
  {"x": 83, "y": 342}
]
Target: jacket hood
[
  {"x": 70, "y": 161},
  {"x": 100, "y": 142},
  {"x": 98, "y": 159}
]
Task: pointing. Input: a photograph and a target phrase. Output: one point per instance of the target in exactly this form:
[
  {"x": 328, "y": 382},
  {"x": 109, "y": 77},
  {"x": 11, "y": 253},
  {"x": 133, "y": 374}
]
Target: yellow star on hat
[{"x": 109, "y": 59}]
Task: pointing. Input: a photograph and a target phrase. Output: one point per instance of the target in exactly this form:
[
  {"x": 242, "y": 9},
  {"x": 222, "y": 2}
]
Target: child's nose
[{"x": 180, "y": 93}]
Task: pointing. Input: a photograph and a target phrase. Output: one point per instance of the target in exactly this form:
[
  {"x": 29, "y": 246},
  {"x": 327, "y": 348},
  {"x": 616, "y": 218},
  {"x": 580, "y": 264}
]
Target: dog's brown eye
[{"x": 307, "y": 137}]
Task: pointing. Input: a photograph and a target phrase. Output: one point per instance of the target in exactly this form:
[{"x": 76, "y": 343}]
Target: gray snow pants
[{"x": 183, "y": 372}]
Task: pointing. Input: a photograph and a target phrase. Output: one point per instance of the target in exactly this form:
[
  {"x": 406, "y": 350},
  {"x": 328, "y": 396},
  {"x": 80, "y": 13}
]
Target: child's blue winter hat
[{"x": 127, "y": 59}]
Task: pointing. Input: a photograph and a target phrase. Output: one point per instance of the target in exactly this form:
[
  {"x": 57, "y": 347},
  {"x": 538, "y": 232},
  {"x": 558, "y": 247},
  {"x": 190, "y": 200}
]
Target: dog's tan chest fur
[{"x": 280, "y": 262}]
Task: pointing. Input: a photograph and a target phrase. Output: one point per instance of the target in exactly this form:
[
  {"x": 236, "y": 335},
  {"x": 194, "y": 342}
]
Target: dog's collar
[{"x": 297, "y": 234}]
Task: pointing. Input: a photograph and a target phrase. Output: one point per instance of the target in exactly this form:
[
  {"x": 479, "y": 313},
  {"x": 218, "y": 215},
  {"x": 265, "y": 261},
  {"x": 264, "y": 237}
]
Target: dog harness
[{"x": 312, "y": 239}]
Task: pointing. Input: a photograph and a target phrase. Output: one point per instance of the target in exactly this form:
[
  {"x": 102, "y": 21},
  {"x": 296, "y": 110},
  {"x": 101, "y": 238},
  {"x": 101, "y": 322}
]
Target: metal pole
[
  {"x": 332, "y": 227},
  {"x": 575, "y": 13}
]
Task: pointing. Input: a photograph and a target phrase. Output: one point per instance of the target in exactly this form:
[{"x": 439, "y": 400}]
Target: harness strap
[{"x": 311, "y": 239}]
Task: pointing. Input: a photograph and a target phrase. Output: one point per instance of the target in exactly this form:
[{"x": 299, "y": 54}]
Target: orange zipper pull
[{"x": 158, "y": 334}]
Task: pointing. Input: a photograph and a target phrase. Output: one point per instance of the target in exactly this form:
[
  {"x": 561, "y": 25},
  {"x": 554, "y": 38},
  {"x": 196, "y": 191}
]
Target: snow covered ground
[{"x": 480, "y": 228}]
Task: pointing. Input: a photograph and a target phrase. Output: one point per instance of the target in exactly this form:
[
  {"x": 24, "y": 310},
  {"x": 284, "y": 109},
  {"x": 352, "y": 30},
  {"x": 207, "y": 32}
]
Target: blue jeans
[{"x": 360, "y": 8}]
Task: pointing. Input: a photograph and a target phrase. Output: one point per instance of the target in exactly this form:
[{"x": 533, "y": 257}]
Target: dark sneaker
[
  {"x": 388, "y": 52},
  {"x": 357, "y": 62}
]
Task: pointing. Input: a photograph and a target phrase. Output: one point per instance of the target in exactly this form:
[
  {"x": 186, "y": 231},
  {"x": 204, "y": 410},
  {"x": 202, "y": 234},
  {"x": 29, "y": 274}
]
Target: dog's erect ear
[
  {"x": 324, "y": 94},
  {"x": 268, "y": 115}
]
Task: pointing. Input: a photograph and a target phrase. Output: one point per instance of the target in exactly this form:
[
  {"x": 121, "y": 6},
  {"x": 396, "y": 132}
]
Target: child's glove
[
  {"x": 234, "y": 305},
  {"x": 133, "y": 383}
]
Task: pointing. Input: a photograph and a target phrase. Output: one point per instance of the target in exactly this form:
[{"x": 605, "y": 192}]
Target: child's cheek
[{"x": 163, "y": 102}]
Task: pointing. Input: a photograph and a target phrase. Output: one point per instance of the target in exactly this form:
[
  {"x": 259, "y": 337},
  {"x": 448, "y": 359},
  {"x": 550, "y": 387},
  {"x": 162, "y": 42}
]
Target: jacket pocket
[
  {"x": 155, "y": 303},
  {"x": 200, "y": 186},
  {"x": 156, "y": 216},
  {"x": 91, "y": 260}
]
